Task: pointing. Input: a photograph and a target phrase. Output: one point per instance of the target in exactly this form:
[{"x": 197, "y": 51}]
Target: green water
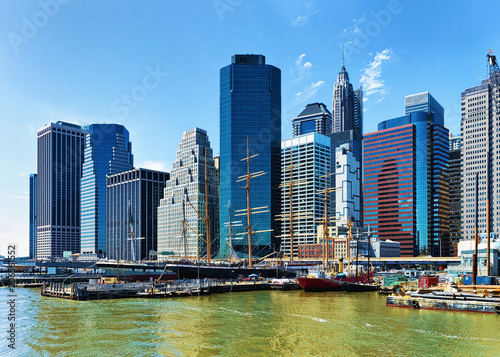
[{"x": 267, "y": 323}]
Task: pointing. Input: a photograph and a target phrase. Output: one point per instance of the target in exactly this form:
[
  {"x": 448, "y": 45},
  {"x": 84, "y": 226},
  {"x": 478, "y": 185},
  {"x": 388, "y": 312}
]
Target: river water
[{"x": 264, "y": 323}]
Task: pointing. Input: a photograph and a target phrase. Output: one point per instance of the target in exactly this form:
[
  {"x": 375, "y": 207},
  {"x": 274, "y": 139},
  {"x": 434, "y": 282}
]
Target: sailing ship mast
[
  {"x": 248, "y": 210},
  {"x": 325, "y": 219},
  {"x": 205, "y": 219}
]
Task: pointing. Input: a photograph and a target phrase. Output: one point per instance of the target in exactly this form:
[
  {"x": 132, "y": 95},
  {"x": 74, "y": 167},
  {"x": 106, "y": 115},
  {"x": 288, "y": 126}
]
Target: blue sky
[{"x": 154, "y": 67}]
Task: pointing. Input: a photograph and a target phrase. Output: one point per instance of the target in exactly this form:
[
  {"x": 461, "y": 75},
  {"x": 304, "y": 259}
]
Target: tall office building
[
  {"x": 406, "y": 195},
  {"x": 424, "y": 102},
  {"x": 132, "y": 200},
  {"x": 348, "y": 184},
  {"x": 315, "y": 118},
  {"x": 480, "y": 128},
  {"x": 310, "y": 157},
  {"x": 59, "y": 171},
  {"x": 108, "y": 151},
  {"x": 32, "y": 216},
  {"x": 455, "y": 180},
  {"x": 347, "y": 116},
  {"x": 184, "y": 190},
  {"x": 347, "y": 105},
  {"x": 250, "y": 107}
]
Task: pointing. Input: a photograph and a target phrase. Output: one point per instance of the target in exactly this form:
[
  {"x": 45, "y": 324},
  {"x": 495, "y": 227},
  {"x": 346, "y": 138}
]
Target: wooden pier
[{"x": 86, "y": 291}]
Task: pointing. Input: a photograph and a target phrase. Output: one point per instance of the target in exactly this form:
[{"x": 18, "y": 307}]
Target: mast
[
  {"x": 249, "y": 227},
  {"x": 325, "y": 221},
  {"x": 476, "y": 238},
  {"x": 349, "y": 238},
  {"x": 184, "y": 226},
  {"x": 488, "y": 212},
  {"x": 248, "y": 210}
]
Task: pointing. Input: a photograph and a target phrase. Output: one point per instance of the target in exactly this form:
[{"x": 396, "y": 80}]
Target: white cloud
[
  {"x": 371, "y": 79},
  {"x": 299, "y": 11},
  {"x": 154, "y": 165},
  {"x": 301, "y": 70},
  {"x": 349, "y": 33},
  {"x": 310, "y": 90}
]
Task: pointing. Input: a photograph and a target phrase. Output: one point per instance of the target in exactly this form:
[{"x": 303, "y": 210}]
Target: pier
[{"x": 86, "y": 291}]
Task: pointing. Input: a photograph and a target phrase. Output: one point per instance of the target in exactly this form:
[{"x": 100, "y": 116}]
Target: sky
[{"x": 154, "y": 67}]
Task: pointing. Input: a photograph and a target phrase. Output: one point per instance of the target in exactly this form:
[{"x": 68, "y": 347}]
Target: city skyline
[{"x": 56, "y": 68}]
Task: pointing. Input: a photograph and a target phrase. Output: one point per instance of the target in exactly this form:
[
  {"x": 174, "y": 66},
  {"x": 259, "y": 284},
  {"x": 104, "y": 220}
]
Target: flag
[{"x": 490, "y": 51}]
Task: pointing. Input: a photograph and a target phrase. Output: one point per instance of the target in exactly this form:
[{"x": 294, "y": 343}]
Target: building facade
[
  {"x": 348, "y": 186},
  {"x": 250, "y": 111},
  {"x": 304, "y": 160},
  {"x": 32, "y": 216},
  {"x": 132, "y": 200},
  {"x": 480, "y": 128},
  {"x": 315, "y": 118},
  {"x": 59, "y": 171},
  {"x": 406, "y": 192},
  {"x": 108, "y": 151},
  {"x": 184, "y": 190},
  {"x": 455, "y": 179},
  {"x": 347, "y": 105}
]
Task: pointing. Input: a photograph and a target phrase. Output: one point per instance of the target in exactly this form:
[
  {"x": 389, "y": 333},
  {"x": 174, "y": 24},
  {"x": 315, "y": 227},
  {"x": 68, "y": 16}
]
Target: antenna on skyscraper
[{"x": 343, "y": 53}]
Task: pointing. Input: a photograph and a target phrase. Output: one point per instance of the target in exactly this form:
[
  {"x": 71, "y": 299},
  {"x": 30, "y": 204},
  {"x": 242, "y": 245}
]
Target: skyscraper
[
  {"x": 107, "y": 152},
  {"x": 184, "y": 190},
  {"x": 454, "y": 174},
  {"x": 32, "y": 216},
  {"x": 309, "y": 156},
  {"x": 59, "y": 172},
  {"x": 347, "y": 181},
  {"x": 132, "y": 200},
  {"x": 406, "y": 195},
  {"x": 250, "y": 107},
  {"x": 315, "y": 118},
  {"x": 347, "y": 105},
  {"x": 480, "y": 128}
]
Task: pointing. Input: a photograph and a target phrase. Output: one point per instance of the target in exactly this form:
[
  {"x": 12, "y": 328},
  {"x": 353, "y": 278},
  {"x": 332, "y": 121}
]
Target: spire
[{"x": 343, "y": 53}]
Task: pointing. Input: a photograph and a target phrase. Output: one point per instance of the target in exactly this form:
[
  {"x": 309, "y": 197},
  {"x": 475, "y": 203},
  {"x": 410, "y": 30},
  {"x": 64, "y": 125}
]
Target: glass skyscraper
[
  {"x": 59, "y": 171},
  {"x": 108, "y": 151},
  {"x": 455, "y": 193},
  {"x": 347, "y": 105},
  {"x": 32, "y": 215},
  {"x": 406, "y": 195},
  {"x": 315, "y": 118},
  {"x": 186, "y": 187},
  {"x": 132, "y": 200},
  {"x": 250, "y": 107}
]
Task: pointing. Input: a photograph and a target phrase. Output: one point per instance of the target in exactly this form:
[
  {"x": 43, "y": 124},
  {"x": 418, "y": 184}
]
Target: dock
[{"x": 86, "y": 291}]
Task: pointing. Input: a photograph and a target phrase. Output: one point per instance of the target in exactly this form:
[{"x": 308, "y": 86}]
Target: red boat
[{"x": 327, "y": 283}]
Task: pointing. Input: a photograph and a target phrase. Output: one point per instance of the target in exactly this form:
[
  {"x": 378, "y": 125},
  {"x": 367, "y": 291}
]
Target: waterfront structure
[
  {"x": 480, "y": 127},
  {"x": 59, "y": 171},
  {"x": 315, "y": 118},
  {"x": 348, "y": 186},
  {"x": 307, "y": 156},
  {"x": 132, "y": 200},
  {"x": 406, "y": 196},
  {"x": 250, "y": 111},
  {"x": 182, "y": 212},
  {"x": 108, "y": 151},
  {"x": 32, "y": 216},
  {"x": 347, "y": 105},
  {"x": 455, "y": 180}
]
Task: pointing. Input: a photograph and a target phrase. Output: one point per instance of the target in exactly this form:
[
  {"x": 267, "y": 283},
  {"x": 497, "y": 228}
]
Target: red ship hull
[{"x": 327, "y": 284}]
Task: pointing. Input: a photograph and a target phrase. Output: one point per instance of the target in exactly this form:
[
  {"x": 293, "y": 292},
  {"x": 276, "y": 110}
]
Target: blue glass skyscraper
[
  {"x": 108, "y": 151},
  {"x": 250, "y": 107},
  {"x": 32, "y": 210},
  {"x": 419, "y": 163}
]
